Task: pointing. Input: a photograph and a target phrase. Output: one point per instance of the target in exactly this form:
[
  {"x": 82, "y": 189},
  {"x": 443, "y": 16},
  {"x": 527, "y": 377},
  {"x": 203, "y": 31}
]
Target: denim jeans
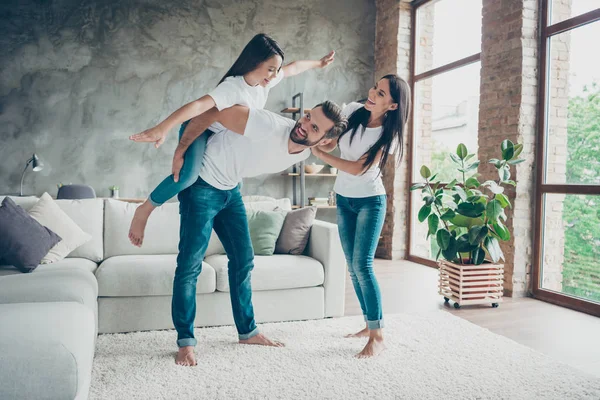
[
  {"x": 202, "y": 208},
  {"x": 360, "y": 221},
  {"x": 192, "y": 162}
]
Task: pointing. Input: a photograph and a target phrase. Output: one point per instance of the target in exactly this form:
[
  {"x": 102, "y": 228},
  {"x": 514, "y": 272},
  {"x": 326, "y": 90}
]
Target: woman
[{"x": 375, "y": 131}]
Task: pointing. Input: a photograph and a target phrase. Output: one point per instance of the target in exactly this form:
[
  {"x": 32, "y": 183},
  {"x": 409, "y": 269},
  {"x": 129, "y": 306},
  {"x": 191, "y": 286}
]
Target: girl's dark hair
[
  {"x": 258, "y": 50},
  {"x": 393, "y": 124}
]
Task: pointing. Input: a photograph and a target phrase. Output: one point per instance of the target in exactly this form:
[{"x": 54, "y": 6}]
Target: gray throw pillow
[
  {"x": 24, "y": 240},
  {"x": 296, "y": 231}
]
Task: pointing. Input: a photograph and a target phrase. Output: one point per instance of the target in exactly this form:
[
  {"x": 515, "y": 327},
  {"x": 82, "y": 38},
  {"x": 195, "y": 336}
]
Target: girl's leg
[
  {"x": 346, "y": 219},
  {"x": 192, "y": 162},
  {"x": 371, "y": 215}
]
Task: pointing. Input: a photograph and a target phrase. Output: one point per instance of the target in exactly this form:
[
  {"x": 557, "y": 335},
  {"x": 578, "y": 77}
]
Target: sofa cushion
[
  {"x": 24, "y": 241},
  {"x": 274, "y": 272},
  {"x": 46, "y": 350},
  {"x": 50, "y": 215},
  {"x": 88, "y": 214},
  {"x": 146, "y": 275},
  {"x": 67, "y": 263},
  {"x": 264, "y": 230},
  {"x": 296, "y": 231}
]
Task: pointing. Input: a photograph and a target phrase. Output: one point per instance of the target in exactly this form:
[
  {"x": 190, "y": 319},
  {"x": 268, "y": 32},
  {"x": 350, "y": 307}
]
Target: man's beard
[{"x": 298, "y": 139}]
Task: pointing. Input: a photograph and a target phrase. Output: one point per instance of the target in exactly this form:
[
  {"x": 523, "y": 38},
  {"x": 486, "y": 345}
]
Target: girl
[
  {"x": 375, "y": 130},
  {"x": 247, "y": 82}
]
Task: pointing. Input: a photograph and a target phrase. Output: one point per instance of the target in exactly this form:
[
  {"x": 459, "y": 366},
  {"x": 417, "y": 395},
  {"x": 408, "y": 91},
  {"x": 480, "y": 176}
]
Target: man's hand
[
  {"x": 156, "y": 135},
  {"x": 177, "y": 163},
  {"x": 328, "y": 59}
]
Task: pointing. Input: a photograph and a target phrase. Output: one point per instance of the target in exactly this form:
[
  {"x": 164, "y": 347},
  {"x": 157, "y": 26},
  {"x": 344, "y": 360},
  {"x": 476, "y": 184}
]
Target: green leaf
[
  {"x": 461, "y": 151},
  {"x": 493, "y": 247},
  {"x": 424, "y": 212},
  {"x": 508, "y": 150},
  {"x": 417, "y": 186},
  {"x": 443, "y": 238},
  {"x": 494, "y": 161},
  {"x": 433, "y": 222},
  {"x": 461, "y": 193},
  {"x": 515, "y": 162},
  {"x": 450, "y": 252},
  {"x": 425, "y": 172},
  {"x": 472, "y": 183},
  {"x": 448, "y": 215},
  {"x": 466, "y": 222},
  {"x": 478, "y": 256},
  {"x": 451, "y": 184},
  {"x": 493, "y": 186},
  {"x": 477, "y": 233},
  {"x": 503, "y": 199},
  {"x": 501, "y": 231},
  {"x": 472, "y": 210},
  {"x": 518, "y": 150},
  {"x": 504, "y": 174},
  {"x": 463, "y": 245},
  {"x": 437, "y": 256},
  {"x": 428, "y": 200},
  {"x": 493, "y": 210},
  {"x": 511, "y": 183},
  {"x": 469, "y": 157},
  {"x": 455, "y": 159},
  {"x": 472, "y": 166}
]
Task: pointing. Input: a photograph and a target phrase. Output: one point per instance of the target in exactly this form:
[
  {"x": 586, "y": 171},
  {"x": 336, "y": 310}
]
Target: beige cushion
[
  {"x": 88, "y": 214},
  {"x": 146, "y": 275},
  {"x": 26, "y": 202},
  {"x": 273, "y": 272},
  {"x": 67, "y": 263},
  {"x": 49, "y": 214}
]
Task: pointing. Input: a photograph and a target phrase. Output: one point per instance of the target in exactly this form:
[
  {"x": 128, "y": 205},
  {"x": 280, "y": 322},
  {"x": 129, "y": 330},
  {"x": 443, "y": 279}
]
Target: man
[{"x": 264, "y": 143}]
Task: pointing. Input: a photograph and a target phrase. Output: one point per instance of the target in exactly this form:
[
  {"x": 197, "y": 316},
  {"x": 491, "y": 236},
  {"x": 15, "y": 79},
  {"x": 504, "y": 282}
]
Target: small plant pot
[
  {"x": 114, "y": 193},
  {"x": 471, "y": 284}
]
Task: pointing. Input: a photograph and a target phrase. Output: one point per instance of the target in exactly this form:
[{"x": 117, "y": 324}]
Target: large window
[
  {"x": 446, "y": 83},
  {"x": 567, "y": 245}
]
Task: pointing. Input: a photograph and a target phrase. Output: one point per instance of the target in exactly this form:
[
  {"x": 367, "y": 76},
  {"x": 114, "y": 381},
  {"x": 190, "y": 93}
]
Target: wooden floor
[{"x": 566, "y": 335}]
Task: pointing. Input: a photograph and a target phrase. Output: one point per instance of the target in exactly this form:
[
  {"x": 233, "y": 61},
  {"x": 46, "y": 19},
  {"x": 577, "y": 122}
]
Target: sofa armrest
[
  {"x": 61, "y": 285},
  {"x": 324, "y": 245}
]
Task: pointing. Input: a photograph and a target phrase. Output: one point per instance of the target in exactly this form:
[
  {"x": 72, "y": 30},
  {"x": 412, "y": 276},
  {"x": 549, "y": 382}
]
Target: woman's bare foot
[
  {"x": 138, "y": 224},
  {"x": 373, "y": 348},
  {"x": 262, "y": 340},
  {"x": 186, "y": 357},
  {"x": 364, "y": 333}
]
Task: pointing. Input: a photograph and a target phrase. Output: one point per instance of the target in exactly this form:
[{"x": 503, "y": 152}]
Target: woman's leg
[
  {"x": 371, "y": 215},
  {"x": 346, "y": 219},
  {"x": 192, "y": 162}
]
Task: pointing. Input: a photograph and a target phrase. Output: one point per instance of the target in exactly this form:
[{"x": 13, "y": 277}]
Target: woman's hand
[
  {"x": 328, "y": 59},
  {"x": 317, "y": 152},
  {"x": 156, "y": 135}
]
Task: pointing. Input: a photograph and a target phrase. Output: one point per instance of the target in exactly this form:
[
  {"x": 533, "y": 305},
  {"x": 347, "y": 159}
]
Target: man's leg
[
  {"x": 231, "y": 225},
  {"x": 198, "y": 204}
]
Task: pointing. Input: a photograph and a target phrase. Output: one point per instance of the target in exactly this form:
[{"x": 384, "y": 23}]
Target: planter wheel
[
  {"x": 456, "y": 305},
  {"x": 446, "y": 299},
  {"x": 495, "y": 305}
]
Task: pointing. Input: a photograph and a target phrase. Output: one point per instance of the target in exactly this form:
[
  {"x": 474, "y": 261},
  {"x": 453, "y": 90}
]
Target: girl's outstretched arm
[
  {"x": 158, "y": 133},
  {"x": 298, "y": 67}
]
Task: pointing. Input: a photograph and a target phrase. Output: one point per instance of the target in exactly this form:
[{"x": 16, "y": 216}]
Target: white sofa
[{"x": 107, "y": 285}]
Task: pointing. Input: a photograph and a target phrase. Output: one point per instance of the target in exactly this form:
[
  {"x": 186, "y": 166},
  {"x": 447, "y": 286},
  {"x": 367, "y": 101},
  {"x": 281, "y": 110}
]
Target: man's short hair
[{"x": 334, "y": 113}]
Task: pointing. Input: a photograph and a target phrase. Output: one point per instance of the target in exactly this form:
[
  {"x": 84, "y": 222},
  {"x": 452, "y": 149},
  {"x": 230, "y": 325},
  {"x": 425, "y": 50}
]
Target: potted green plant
[
  {"x": 114, "y": 192},
  {"x": 467, "y": 219}
]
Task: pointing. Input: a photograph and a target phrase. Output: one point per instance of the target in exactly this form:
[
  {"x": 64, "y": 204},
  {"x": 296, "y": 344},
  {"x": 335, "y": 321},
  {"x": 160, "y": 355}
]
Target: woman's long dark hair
[
  {"x": 258, "y": 50},
  {"x": 393, "y": 124}
]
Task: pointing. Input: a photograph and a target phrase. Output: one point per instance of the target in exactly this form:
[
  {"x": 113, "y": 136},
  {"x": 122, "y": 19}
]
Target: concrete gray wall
[{"x": 78, "y": 77}]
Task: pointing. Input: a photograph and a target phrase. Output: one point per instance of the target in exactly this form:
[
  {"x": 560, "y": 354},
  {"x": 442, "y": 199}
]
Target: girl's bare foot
[
  {"x": 360, "y": 334},
  {"x": 374, "y": 346},
  {"x": 261, "y": 340},
  {"x": 138, "y": 224},
  {"x": 186, "y": 357}
]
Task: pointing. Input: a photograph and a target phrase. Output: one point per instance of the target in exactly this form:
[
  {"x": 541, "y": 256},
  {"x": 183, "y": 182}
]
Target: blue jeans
[
  {"x": 202, "y": 207},
  {"x": 360, "y": 221},
  {"x": 192, "y": 162}
]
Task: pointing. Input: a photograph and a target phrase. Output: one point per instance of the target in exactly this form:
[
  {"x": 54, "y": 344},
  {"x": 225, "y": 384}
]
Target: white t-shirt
[
  {"x": 234, "y": 90},
  {"x": 262, "y": 149},
  {"x": 370, "y": 183}
]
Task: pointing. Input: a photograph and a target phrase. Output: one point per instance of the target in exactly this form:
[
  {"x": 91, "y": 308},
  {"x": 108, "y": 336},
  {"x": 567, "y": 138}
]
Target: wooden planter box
[{"x": 471, "y": 284}]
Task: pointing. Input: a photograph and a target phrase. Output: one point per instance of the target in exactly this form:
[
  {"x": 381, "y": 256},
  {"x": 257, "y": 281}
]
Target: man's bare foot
[
  {"x": 138, "y": 224},
  {"x": 373, "y": 348},
  {"x": 262, "y": 340},
  {"x": 186, "y": 357},
  {"x": 364, "y": 333}
]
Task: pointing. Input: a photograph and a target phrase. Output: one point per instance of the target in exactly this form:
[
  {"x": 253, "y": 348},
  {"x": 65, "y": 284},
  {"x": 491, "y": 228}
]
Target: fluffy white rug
[{"x": 431, "y": 356}]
